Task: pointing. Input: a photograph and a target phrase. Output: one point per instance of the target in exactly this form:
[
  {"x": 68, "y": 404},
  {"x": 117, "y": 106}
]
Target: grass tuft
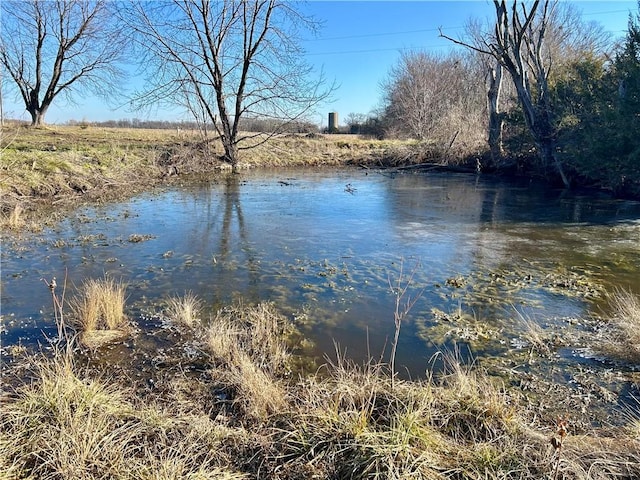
[
  {"x": 98, "y": 311},
  {"x": 185, "y": 310},
  {"x": 258, "y": 393},
  {"x": 621, "y": 337},
  {"x": 250, "y": 351},
  {"x": 64, "y": 426},
  {"x": 259, "y": 332}
]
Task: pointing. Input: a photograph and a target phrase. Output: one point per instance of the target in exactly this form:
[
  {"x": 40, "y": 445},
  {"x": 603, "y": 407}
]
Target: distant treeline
[{"x": 246, "y": 125}]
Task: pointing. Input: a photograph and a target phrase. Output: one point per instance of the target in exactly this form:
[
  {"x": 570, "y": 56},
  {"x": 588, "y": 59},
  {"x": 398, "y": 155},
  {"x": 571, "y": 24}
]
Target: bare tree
[
  {"x": 493, "y": 71},
  {"x": 433, "y": 97},
  {"x": 62, "y": 47},
  {"x": 566, "y": 39},
  {"x": 519, "y": 46},
  {"x": 234, "y": 59}
]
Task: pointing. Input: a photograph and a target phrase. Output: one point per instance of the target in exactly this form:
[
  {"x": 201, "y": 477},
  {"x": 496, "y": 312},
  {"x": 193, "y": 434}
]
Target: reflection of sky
[{"x": 301, "y": 239}]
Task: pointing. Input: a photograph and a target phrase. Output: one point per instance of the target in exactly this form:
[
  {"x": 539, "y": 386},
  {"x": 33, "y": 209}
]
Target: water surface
[{"x": 480, "y": 255}]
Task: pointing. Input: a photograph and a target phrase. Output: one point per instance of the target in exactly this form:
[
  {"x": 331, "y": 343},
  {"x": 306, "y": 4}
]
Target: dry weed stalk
[
  {"x": 556, "y": 442},
  {"x": 403, "y": 305},
  {"x": 58, "y": 307}
]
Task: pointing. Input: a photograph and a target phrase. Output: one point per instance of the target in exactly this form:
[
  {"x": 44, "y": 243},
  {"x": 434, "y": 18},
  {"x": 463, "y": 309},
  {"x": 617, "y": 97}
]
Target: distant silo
[{"x": 333, "y": 122}]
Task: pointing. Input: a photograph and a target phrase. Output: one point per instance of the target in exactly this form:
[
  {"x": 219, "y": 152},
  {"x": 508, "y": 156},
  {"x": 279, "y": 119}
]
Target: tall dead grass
[
  {"x": 251, "y": 354},
  {"x": 620, "y": 338},
  {"x": 185, "y": 310},
  {"x": 344, "y": 421},
  {"x": 98, "y": 311},
  {"x": 70, "y": 425},
  {"x": 257, "y": 332}
]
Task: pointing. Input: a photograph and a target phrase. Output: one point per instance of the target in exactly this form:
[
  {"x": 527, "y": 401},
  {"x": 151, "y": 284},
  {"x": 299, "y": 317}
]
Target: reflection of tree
[{"x": 232, "y": 207}]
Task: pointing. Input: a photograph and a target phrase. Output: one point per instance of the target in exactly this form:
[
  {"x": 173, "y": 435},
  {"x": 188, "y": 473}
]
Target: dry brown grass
[
  {"x": 249, "y": 347},
  {"x": 258, "y": 332},
  {"x": 98, "y": 311},
  {"x": 68, "y": 425},
  {"x": 258, "y": 392},
  {"x": 345, "y": 421},
  {"x": 620, "y": 338},
  {"x": 185, "y": 310}
]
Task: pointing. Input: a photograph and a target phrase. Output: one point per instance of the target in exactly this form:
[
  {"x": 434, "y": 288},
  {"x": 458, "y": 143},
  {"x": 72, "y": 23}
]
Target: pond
[{"x": 481, "y": 259}]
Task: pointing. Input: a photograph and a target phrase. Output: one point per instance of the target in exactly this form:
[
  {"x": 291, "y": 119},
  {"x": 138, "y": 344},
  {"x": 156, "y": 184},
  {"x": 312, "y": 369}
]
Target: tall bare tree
[
  {"x": 228, "y": 60},
  {"x": 494, "y": 80},
  {"x": 59, "y": 48},
  {"x": 518, "y": 44}
]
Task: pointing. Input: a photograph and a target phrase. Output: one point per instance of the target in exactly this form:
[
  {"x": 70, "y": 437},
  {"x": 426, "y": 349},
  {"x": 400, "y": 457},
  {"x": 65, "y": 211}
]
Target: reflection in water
[{"x": 298, "y": 238}]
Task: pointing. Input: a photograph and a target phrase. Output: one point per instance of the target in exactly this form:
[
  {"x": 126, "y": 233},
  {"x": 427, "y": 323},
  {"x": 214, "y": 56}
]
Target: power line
[
  {"x": 426, "y": 30},
  {"x": 344, "y": 52},
  {"x": 381, "y": 34},
  {"x": 395, "y": 49}
]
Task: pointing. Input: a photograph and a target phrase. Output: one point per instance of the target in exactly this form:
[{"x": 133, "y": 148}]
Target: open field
[{"x": 64, "y": 165}]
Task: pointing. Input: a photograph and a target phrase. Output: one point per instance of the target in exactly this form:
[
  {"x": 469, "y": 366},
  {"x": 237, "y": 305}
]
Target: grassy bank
[
  {"x": 63, "y": 165},
  {"x": 227, "y": 406}
]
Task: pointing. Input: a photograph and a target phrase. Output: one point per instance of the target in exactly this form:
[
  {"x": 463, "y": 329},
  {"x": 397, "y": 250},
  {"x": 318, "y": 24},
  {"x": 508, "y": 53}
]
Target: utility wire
[
  {"x": 404, "y": 32},
  {"x": 395, "y": 49}
]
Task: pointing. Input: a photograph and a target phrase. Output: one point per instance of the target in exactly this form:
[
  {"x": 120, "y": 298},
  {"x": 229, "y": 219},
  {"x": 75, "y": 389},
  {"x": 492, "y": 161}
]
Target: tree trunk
[
  {"x": 230, "y": 154},
  {"x": 496, "y": 119},
  {"x": 546, "y": 144},
  {"x": 37, "y": 116},
  {"x": 541, "y": 127}
]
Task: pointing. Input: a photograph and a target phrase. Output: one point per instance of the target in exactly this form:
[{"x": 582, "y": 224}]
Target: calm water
[{"x": 324, "y": 246}]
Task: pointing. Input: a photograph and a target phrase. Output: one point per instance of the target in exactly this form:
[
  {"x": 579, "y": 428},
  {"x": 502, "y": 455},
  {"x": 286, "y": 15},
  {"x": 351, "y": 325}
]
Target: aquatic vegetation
[{"x": 137, "y": 238}]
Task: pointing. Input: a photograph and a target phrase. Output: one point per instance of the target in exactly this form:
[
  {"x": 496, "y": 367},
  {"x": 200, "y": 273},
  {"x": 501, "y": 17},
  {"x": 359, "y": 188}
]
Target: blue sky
[{"x": 358, "y": 45}]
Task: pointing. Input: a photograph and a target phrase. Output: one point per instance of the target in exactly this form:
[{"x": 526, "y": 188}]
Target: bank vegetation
[
  {"x": 45, "y": 169},
  {"x": 228, "y": 400},
  {"x": 535, "y": 91}
]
